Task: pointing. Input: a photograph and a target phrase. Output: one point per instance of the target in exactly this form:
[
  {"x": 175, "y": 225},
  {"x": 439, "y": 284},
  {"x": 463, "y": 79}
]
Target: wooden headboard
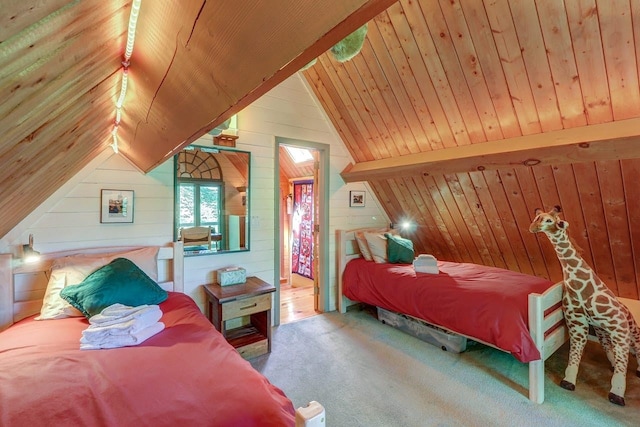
[
  {"x": 348, "y": 249},
  {"x": 22, "y": 286}
]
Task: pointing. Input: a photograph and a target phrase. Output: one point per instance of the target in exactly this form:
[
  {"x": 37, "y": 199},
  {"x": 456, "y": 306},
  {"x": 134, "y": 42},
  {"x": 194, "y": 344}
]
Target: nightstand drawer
[{"x": 246, "y": 306}]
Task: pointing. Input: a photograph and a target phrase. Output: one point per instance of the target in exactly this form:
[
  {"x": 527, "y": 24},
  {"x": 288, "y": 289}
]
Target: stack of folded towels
[
  {"x": 120, "y": 326},
  {"x": 426, "y": 264}
]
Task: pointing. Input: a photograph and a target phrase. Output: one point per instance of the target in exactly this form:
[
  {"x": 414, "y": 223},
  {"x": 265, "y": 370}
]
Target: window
[
  {"x": 200, "y": 204},
  {"x": 299, "y": 155}
]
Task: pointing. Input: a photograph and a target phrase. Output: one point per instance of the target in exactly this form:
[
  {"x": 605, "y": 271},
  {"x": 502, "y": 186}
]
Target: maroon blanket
[
  {"x": 187, "y": 375},
  {"x": 486, "y": 303}
]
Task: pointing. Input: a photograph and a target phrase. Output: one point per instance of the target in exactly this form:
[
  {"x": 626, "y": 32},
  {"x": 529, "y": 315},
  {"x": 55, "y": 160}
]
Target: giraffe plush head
[{"x": 548, "y": 222}]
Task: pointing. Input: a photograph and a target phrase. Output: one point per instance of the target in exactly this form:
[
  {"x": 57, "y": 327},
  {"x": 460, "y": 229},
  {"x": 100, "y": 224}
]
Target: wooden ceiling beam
[{"x": 607, "y": 141}]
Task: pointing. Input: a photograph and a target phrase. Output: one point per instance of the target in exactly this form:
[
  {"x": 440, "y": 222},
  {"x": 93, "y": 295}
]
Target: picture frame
[
  {"x": 116, "y": 206},
  {"x": 356, "y": 199}
]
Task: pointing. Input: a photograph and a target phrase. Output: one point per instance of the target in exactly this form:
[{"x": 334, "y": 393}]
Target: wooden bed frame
[
  {"x": 545, "y": 314},
  {"x": 22, "y": 288}
]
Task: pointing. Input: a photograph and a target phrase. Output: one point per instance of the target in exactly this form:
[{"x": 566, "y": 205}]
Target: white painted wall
[{"x": 70, "y": 218}]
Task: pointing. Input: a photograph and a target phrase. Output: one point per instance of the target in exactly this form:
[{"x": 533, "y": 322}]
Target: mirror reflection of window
[{"x": 211, "y": 189}]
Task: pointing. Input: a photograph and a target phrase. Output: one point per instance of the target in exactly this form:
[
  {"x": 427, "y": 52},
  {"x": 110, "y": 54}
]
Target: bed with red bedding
[
  {"x": 464, "y": 298},
  {"x": 511, "y": 311},
  {"x": 187, "y": 374}
]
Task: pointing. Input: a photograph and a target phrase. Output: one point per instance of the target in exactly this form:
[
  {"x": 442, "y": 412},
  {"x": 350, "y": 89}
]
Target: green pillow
[
  {"x": 399, "y": 250},
  {"x": 120, "y": 281}
]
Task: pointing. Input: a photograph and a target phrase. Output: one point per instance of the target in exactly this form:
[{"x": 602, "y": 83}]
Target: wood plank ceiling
[
  {"x": 463, "y": 115},
  {"x": 195, "y": 63},
  {"x": 466, "y": 115}
]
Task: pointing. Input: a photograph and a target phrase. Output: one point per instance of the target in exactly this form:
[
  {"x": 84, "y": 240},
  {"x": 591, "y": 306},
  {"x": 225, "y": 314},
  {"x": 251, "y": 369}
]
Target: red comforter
[
  {"x": 187, "y": 375},
  {"x": 486, "y": 303}
]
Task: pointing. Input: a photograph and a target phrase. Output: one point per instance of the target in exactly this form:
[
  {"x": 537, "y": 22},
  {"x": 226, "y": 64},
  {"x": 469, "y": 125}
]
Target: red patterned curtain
[{"x": 302, "y": 229}]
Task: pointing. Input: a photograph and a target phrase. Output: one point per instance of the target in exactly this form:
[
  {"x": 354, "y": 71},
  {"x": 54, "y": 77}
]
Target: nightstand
[{"x": 251, "y": 299}]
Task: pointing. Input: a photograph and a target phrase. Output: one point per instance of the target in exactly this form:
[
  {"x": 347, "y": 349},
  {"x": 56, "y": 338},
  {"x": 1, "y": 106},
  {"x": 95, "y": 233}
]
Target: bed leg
[
  {"x": 311, "y": 415},
  {"x": 536, "y": 381}
]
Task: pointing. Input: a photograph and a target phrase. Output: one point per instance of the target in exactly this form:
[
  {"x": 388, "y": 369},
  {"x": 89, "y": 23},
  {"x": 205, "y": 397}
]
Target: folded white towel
[
  {"x": 121, "y": 340},
  {"x": 426, "y": 264},
  {"x": 119, "y": 313}
]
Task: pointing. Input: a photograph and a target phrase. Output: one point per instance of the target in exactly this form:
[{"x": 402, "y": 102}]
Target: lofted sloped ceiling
[
  {"x": 195, "y": 63},
  {"x": 462, "y": 115},
  {"x": 466, "y": 115}
]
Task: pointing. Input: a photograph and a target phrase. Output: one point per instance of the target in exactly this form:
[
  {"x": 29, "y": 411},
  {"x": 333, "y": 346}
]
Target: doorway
[{"x": 302, "y": 293}]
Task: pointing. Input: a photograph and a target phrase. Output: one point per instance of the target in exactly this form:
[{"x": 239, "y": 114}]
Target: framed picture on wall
[
  {"x": 356, "y": 198},
  {"x": 116, "y": 206}
]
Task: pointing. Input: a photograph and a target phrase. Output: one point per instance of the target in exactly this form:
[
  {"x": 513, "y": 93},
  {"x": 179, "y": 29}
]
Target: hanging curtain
[{"x": 302, "y": 229}]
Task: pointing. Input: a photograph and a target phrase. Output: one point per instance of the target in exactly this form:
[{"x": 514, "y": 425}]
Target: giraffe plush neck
[
  {"x": 574, "y": 268},
  {"x": 588, "y": 301}
]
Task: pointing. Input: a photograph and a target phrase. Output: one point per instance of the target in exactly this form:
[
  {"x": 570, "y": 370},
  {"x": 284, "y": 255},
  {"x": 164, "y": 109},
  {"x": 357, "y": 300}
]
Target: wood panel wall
[{"x": 483, "y": 217}]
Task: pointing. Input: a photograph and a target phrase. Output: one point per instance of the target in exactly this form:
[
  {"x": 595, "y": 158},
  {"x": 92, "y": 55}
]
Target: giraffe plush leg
[
  {"x": 634, "y": 330},
  {"x": 605, "y": 341},
  {"x": 619, "y": 380},
  {"x": 577, "y": 340}
]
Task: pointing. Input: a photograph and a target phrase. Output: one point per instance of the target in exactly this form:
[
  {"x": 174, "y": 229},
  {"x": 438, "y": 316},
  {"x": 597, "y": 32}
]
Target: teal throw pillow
[
  {"x": 399, "y": 249},
  {"x": 120, "y": 281}
]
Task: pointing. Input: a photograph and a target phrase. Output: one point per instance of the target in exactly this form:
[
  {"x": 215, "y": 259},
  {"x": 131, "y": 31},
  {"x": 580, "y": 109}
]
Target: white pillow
[
  {"x": 73, "y": 269},
  {"x": 362, "y": 242},
  {"x": 378, "y": 246}
]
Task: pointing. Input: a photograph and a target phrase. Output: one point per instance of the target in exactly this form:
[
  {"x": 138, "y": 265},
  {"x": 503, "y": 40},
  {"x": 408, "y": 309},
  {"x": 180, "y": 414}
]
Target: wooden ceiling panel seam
[
  {"x": 412, "y": 203},
  {"x": 422, "y": 222},
  {"x": 452, "y": 228},
  {"x": 471, "y": 69},
  {"x": 446, "y": 72},
  {"x": 503, "y": 246},
  {"x": 18, "y": 15},
  {"x": 68, "y": 143},
  {"x": 476, "y": 229},
  {"x": 72, "y": 111},
  {"x": 478, "y": 214},
  {"x": 388, "y": 101},
  {"x": 534, "y": 55},
  {"x": 489, "y": 62},
  {"x": 401, "y": 140},
  {"x": 553, "y": 22},
  {"x": 591, "y": 207},
  {"x": 589, "y": 56},
  {"x": 547, "y": 188},
  {"x": 609, "y": 175},
  {"x": 458, "y": 220},
  {"x": 619, "y": 55},
  {"x": 372, "y": 119},
  {"x": 517, "y": 204},
  {"x": 324, "y": 95},
  {"x": 416, "y": 70},
  {"x": 423, "y": 123},
  {"x": 509, "y": 51},
  {"x": 367, "y": 144},
  {"x": 501, "y": 199},
  {"x": 630, "y": 177},
  {"x": 531, "y": 197},
  {"x": 410, "y": 81}
]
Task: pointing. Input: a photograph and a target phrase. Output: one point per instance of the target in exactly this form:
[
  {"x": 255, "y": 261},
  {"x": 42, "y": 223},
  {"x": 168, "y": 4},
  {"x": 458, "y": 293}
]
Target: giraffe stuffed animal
[{"x": 588, "y": 301}]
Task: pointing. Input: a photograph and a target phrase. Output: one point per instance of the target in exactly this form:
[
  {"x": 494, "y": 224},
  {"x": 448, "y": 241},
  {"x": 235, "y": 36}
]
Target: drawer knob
[{"x": 255, "y": 304}]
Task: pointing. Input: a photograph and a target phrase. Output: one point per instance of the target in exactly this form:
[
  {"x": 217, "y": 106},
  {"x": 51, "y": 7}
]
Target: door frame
[{"x": 322, "y": 187}]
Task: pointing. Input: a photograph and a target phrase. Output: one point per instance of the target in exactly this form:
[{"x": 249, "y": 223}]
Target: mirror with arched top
[{"x": 211, "y": 200}]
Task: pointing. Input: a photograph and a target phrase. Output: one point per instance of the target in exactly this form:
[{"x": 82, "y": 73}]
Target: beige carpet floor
[{"x": 366, "y": 373}]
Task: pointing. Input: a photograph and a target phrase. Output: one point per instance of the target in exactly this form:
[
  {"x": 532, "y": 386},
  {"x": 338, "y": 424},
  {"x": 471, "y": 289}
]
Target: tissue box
[{"x": 231, "y": 276}]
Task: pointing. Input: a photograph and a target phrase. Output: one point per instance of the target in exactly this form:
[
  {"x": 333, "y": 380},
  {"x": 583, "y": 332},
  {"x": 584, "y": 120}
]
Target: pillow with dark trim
[
  {"x": 399, "y": 249},
  {"x": 120, "y": 281}
]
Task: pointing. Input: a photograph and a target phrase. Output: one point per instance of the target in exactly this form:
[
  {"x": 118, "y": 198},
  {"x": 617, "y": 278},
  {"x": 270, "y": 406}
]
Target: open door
[{"x": 316, "y": 231}]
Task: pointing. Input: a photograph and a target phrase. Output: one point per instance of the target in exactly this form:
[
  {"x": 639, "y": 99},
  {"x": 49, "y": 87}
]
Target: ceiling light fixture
[{"x": 131, "y": 35}]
